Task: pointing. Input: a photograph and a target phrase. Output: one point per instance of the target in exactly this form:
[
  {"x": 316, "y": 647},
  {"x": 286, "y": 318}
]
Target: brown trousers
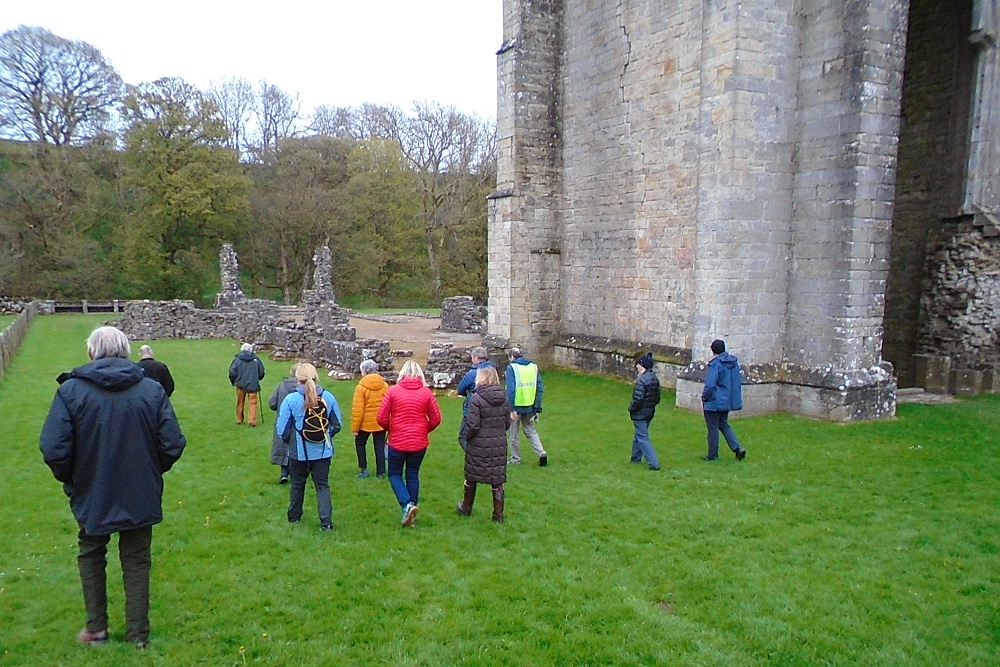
[{"x": 252, "y": 399}]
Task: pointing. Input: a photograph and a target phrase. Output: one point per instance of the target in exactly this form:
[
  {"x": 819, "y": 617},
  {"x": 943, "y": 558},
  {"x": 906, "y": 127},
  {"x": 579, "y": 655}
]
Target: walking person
[
  {"x": 245, "y": 373},
  {"x": 109, "y": 436},
  {"x": 156, "y": 370},
  {"x": 486, "y": 451},
  {"x": 722, "y": 394},
  {"x": 279, "y": 448},
  {"x": 409, "y": 412},
  {"x": 524, "y": 393},
  {"x": 308, "y": 419},
  {"x": 645, "y": 398},
  {"x": 467, "y": 385},
  {"x": 367, "y": 400}
]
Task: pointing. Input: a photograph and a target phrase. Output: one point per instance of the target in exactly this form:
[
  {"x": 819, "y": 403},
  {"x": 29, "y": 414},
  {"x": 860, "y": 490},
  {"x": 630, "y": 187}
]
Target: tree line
[{"x": 112, "y": 190}]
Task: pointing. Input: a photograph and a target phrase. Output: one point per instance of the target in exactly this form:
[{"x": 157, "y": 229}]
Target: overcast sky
[{"x": 333, "y": 52}]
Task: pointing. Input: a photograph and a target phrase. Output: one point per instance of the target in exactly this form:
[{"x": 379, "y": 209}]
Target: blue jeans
[
  {"x": 719, "y": 421},
  {"x": 320, "y": 472},
  {"x": 410, "y": 491},
  {"x": 641, "y": 446}
]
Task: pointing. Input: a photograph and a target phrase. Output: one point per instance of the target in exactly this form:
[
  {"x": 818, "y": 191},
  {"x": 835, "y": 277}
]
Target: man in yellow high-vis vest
[{"x": 524, "y": 391}]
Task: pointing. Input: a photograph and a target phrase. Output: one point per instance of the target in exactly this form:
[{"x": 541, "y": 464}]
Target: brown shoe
[{"x": 85, "y": 636}]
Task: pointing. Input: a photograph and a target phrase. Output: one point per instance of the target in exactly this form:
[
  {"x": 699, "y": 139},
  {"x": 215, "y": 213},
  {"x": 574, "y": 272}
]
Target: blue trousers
[
  {"x": 719, "y": 421},
  {"x": 641, "y": 446},
  {"x": 408, "y": 492}
]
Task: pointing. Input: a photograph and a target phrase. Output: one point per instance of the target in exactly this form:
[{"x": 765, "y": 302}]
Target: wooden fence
[{"x": 12, "y": 337}]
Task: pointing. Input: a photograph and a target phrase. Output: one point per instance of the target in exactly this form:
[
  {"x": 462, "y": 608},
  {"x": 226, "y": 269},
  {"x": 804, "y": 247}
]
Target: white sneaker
[{"x": 409, "y": 514}]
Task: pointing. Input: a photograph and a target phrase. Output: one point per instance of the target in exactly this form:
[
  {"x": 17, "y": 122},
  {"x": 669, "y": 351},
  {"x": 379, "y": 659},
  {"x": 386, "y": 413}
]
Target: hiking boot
[
  {"x": 740, "y": 455},
  {"x": 710, "y": 458},
  {"x": 283, "y": 479},
  {"x": 543, "y": 460},
  {"x": 654, "y": 468},
  {"x": 85, "y": 636},
  {"x": 326, "y": 527},
  {"x": 498, "y": 500},
  {"x": 363, "y": 474}
]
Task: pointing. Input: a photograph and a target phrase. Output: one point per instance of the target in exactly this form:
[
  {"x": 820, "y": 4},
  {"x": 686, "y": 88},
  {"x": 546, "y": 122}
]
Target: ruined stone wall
[
  {"x": 461, "y": 314},
  {"x": 14, "y": 334},
  {"x": 960, "y": 316},
  {"x": 932, "y": 161}
]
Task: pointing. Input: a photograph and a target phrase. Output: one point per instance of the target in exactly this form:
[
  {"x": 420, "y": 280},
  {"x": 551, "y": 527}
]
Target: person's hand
[
  {"x": 354, "y": 433},
  {"x": 513, "y": 414},
  {"x": 534, "y": 418}
]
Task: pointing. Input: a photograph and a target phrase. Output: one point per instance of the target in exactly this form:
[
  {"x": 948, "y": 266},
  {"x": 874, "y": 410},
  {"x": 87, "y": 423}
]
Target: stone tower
[{"x": 674, "y": 172}]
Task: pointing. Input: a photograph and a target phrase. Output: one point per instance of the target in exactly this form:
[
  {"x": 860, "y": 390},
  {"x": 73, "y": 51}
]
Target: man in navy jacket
[
  {"x": 109, "y": 436},
  {"x": 722, "y": 393}
]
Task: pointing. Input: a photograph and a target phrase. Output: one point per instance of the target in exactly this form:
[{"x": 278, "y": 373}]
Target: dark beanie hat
[
  {"x": 646, "y": 360},
  {"x": 718, "y": 346}
]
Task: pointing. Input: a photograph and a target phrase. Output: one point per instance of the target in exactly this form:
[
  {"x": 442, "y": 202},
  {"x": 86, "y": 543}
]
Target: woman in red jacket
[{"x": 409, "y": 412}]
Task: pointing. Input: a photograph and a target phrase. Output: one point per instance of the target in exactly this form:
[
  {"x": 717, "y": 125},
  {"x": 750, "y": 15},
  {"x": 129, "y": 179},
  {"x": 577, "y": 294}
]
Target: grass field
[
  {"x": 6, "y": 321},
  {"x": 862, "y": 544}
]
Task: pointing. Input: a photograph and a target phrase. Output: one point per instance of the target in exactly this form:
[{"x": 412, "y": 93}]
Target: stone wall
[
  {"x": 12, "y": 306},
  {"x": 959, "y": 349},
  {"x": 671, "y": 173},
  {"x": 461, "y": 314},
  {"x": 933, "y": 154},
  {"x": 446, "y": 364}
]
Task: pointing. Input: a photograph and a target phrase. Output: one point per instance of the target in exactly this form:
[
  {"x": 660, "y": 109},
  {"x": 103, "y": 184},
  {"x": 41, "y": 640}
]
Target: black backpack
[{"x": 317, "y": 423}]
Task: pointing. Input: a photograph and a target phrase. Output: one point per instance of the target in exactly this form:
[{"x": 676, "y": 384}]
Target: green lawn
[
  {"x": 863, "y": 544},
  {"x": 6, "y": 321}
]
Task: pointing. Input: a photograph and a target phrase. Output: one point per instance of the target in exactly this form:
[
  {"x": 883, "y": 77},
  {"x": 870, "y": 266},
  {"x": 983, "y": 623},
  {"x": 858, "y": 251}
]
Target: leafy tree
[
  {"x": 295, "y": 209},
  {"x": 188, "y": 191},
  {"x": 54, "y": 90},
  {"x": 57, "y": 204}
]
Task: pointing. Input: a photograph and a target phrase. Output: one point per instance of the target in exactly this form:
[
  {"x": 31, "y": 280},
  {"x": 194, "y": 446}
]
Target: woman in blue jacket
[
  {"x": 305, "y": 457},
  {"x": 722, "y": 393}
]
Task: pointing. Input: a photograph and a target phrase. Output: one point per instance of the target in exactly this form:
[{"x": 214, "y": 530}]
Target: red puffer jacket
[{"x": 409, "y": 412}]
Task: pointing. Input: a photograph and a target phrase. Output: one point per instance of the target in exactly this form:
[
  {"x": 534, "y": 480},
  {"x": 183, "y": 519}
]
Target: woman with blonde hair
[
  {"x": 409, "y": 412},
  {"x": 308, "y": 419},
  {"x": 486, "y": 432}
]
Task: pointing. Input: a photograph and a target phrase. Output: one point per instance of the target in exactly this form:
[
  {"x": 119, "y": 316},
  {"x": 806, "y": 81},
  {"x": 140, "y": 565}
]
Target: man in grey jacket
[
  {"x": 245, "y": 373},
  {"x": 109, "y": 436}
]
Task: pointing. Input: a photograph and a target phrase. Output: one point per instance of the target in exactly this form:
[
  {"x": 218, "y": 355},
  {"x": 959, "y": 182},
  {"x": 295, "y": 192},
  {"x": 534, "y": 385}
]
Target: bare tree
[
  {"x": 236, "y": 100},
  {"x": 278, "y": 115},
  {"x": 53, "y": 90},
  {"x": 368, "y": 121},
  {"x": 453, "y": 156}
]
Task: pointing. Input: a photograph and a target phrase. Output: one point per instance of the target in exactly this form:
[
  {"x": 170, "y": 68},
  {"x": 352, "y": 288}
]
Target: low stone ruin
[
  {"x": 959, "y": 349},
  {"x": 12, "y": 306},
  {"x": 446, "y": 364},
  {"x": 318, "y": 330},
  {"x": 460, "y": 314}
]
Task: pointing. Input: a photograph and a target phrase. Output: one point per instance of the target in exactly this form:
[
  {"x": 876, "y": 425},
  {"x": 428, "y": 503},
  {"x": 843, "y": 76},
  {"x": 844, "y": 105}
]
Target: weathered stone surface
[
  {"x": 229, "y": 266},
  {"x": 460, "y": 314},
  {"x": 446, "y": 364}
]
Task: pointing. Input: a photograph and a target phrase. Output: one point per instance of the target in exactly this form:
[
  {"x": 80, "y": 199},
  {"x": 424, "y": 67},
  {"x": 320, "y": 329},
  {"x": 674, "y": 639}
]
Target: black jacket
[
  {"x": 157, "y": 370},
  {"x": 109, "y": 437},
  {"x": 645, "y": 397},
  {"x": 246, "y": 372},
  {"x": 486, "y": 430}
]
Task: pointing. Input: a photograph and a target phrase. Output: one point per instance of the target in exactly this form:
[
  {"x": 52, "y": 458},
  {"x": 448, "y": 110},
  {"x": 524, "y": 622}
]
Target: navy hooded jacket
[
  {"x": 109, "y": 436},
  {"x": 723, "y": 391}
]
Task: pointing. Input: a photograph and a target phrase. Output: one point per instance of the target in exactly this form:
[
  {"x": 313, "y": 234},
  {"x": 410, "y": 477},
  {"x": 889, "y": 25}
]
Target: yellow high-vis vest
[{"x": 526, "y": 383}]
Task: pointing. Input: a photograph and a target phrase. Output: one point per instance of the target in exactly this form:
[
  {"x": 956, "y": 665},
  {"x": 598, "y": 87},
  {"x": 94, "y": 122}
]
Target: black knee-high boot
[
  {"x": 465, "y": 507},
  {"x": 498, "y": 496}
]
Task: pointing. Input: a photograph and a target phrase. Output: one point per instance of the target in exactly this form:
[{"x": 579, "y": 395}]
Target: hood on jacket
[
  {"x": 494, "y": 394},
  {"x": 727, "y": 360},
  {"x": 245, "y": 356},
  {"x": 373, "y": 382},
  {"x": 110, "y": 373},
  {"x": 410, "y": 383}
]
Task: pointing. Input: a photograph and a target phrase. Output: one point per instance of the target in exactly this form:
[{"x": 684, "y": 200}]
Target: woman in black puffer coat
[{"x": 486, "y": 430}]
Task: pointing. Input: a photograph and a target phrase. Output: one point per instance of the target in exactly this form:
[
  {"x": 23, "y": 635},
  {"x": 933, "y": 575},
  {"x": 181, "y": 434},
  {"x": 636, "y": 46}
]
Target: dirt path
[{"x": 411, "y": 333}]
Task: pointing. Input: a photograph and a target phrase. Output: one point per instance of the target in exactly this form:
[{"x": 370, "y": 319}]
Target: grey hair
[
  {"x": 479, "y": 352},
  {"x": 145, "y": 352},
  {"x": 108, "y": 342},
  {"x": 246, "y": 347},
  {"x": 369, "y": 366},
  {"x": 514, "y": 353},
  {"x": 412, "y": 369}
]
